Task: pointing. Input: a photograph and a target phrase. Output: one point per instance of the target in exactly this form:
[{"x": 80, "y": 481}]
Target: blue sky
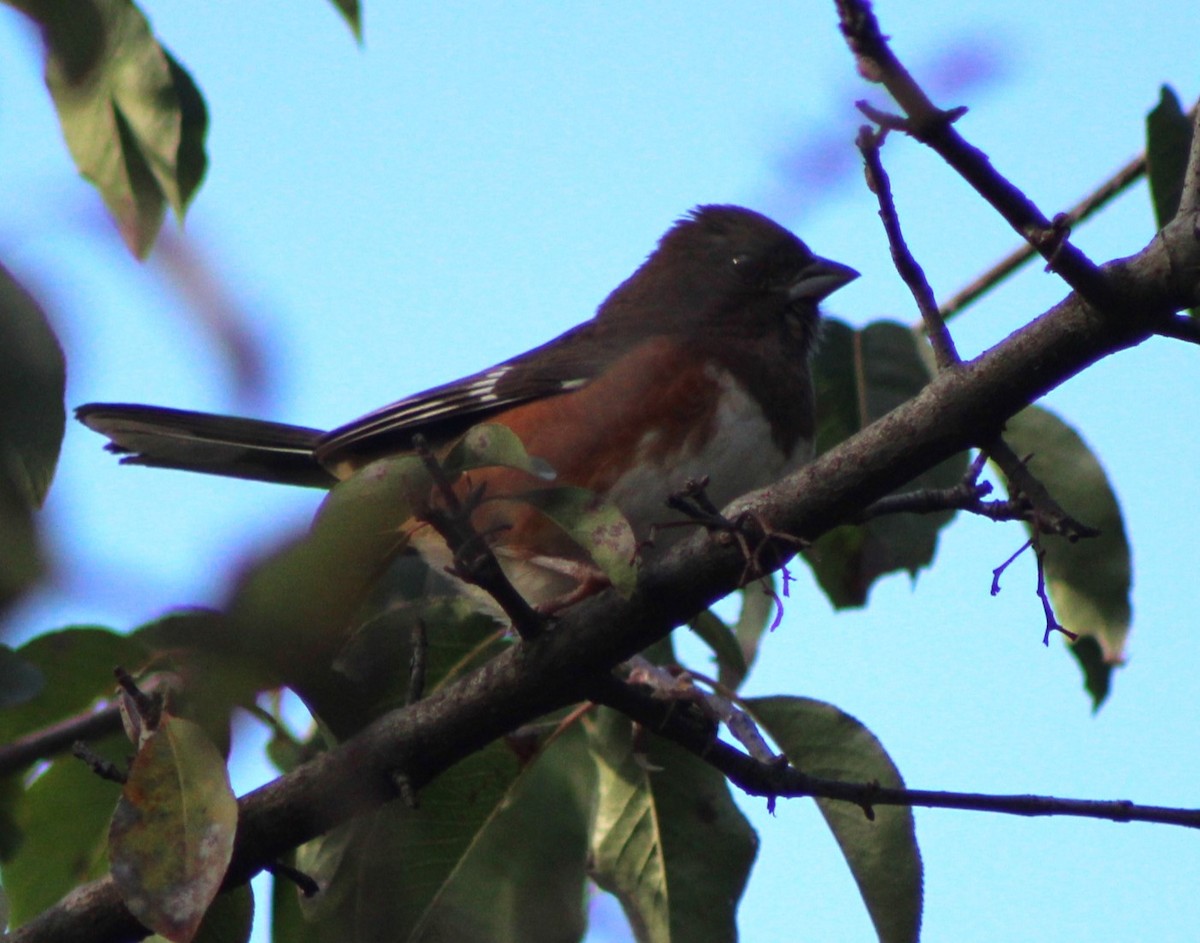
[{"x": 476, "y": 177}]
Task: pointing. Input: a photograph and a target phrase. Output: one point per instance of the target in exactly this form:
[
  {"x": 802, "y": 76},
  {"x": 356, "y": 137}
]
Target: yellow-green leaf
[{"x": 172, "y": 833}]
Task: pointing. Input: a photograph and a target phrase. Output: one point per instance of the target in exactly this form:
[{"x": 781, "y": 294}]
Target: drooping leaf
[
  {"x": 524, "y": 879},
  {"x": 132, "y": 117},
  {"x": 882, "y": 852},
  {"x": 171, "y": 837},
  {"x": 667, "y": 839},
  {"x": 1089, "y": 581},
  {"x": 860, "y": 375}
]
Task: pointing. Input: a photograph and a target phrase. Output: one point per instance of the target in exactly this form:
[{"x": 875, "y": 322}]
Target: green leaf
[
  {"x": 821, "y": 741},
  {"x": 1089, "y": 581},
  {"x": 599, "y": 528},
  {"x": 491, "y": 445},
  {"x": 33, "y": 375},
  {"x": 1168, "y": 140},
  {"x": 77, "y": 665},
  {"x": 171, "y": 837},
  {"x": 32, "y": 418},
  {"x": 296, "y": 609},
  {"x": 860, "y": 375},
  {"x": 524, "y": 878},
  {"x": 132, "y": 117},
  {"x": 383, "y": 875},
  {"x": 667, "y": 839},
  {"x": 64, "y": 817}
]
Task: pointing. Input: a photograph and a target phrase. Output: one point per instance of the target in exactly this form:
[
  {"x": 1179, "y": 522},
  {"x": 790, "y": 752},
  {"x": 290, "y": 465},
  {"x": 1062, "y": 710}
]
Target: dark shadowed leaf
[
  {"x": 1090, "y": 580},
  {"x": 229, "y": 918},
  {"x": 524, "y": 879},
  {"x": 172, "y": 832},
  {"x": 383, "y": 875},
  {"x": 860, "y": 375},
  {"x": 1168, "y": 140},
  {"x": 667, "y": 839},
  {"x": 821, "y": 741},
  {"x": 717, "y": 635},
  {"x": 32, "y": 382},
  {"x": 32, "y": 385},
  {"x": 132, "y": 117},
  {"x": 20, "y": 680}
]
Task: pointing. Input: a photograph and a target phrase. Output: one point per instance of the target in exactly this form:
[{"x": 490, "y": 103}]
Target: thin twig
[
  {"x": 474, "y": 559},
  {"x": 777, "y": 780},
  {"x": 945, "y": 354},
  {"x": 103, "y": 768},
  {"x": 1115, "y": 185},
  {"x": 308, "y": 887},
  {"x": 1052, "y": 623},
  {"x": 999, "y": 571},
  {"x": 50, "y": 741},
  {"x": 933, "y": 127},
  {"x": 418, "y": 662},
  {"x": 1048, "y": 515}
]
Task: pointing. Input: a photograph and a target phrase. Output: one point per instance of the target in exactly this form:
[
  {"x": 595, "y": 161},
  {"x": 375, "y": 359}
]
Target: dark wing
[{"x": 564, "y": 364}]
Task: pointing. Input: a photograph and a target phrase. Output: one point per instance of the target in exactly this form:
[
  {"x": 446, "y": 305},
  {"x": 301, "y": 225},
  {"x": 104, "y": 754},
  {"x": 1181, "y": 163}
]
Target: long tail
[{"x": 205, "y": 442}]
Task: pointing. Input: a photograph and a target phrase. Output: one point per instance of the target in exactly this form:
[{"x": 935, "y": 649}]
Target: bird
[{"x": 697, "y": 366}]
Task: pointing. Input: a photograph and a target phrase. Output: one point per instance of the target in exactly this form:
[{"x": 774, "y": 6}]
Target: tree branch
[
  {"x": 934, "y": 127},
  {"x": 772, "y": 779},
  {"x": 57, "y": 738},
  {"x": 1115, "y": 185},
  {"x": 959, "y": 409}
]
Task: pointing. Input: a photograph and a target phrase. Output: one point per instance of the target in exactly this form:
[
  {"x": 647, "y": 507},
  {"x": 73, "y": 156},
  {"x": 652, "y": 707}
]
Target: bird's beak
[{"x": 820, "y": 279}]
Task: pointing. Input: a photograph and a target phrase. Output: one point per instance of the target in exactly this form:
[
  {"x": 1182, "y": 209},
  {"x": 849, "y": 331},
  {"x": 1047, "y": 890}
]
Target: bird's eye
[{"x": 741, "y": 261}]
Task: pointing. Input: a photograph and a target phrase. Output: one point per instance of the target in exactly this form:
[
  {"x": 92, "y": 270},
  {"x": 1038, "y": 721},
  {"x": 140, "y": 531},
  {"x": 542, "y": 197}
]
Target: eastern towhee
[{"x": 696, "y": 365}]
